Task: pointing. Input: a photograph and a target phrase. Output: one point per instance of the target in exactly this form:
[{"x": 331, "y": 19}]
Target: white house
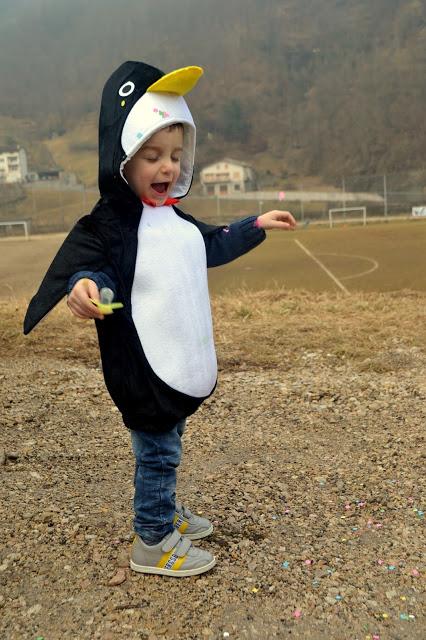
[
  {"x": 13, "y": 165},
  {"x": 227, "y": 177}
]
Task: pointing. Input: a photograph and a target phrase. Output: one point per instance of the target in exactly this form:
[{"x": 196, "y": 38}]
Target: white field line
[
  {"x": 323, "y": 267},
  {"x": 352, "y": 255}
]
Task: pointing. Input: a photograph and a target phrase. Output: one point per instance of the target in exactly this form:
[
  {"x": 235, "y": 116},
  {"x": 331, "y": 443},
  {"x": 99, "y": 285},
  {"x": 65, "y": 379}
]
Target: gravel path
[{"x": 309, "y": 458}]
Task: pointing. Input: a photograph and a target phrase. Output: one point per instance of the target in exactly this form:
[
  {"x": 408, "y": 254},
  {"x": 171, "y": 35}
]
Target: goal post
[
  {"x": 332, "y": 215},
  {"x": 418, "y": 212},
  {"x": 22, "y": 223}
]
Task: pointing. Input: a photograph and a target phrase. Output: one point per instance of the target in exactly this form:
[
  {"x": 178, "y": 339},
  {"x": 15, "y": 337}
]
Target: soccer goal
[
  {"x": 340, "y": 215},
  {"x": 7, "y": 227},
  {"x": 418, "y": 212}
]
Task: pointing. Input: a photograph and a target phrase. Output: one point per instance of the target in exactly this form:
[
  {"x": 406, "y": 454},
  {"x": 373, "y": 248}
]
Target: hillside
[{"x": 300, "y": 87}]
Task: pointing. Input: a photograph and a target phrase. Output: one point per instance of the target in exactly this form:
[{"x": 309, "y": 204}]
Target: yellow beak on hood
[{"x": 180, "y": 81}]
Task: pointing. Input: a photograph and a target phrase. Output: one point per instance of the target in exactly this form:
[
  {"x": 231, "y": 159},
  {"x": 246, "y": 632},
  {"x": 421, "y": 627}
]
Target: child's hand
[
  {"x": 277, "y": 220},
  {"x": 79, "y": 300}
]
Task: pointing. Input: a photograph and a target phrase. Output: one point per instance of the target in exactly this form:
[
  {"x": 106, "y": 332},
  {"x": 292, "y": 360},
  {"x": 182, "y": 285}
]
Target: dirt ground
[{"x": 309, "y": 458}]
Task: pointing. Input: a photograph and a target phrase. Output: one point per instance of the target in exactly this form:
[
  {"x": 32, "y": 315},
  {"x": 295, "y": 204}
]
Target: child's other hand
[
  {"x": 79, "y": 300},
  {"x": 277, "y": 220}
]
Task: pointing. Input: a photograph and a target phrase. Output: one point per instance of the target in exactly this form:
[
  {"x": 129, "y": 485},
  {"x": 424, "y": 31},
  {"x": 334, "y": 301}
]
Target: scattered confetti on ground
[{"x": 325, "y": 420}]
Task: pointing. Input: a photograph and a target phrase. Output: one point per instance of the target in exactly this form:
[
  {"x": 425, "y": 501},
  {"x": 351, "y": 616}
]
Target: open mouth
[{"x": 160, "y": 187}]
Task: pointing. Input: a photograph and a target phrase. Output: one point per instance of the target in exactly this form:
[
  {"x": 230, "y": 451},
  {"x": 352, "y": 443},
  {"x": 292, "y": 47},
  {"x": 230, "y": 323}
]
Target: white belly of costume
[{"x": 171, "y": 304}]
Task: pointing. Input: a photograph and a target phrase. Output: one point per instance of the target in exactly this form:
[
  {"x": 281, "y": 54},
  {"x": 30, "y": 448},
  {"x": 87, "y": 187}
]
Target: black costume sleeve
[
  {"x": 226, "y": 243},
  {"x": 82, "y": 250}
]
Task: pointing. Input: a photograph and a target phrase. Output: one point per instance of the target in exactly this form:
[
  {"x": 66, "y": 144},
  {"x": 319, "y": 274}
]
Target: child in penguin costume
[{"x": 157, "y": 351}]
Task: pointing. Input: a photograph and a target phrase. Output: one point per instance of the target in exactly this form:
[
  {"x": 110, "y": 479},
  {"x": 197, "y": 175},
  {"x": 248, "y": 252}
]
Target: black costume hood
[{"x": 137, "y": 101}]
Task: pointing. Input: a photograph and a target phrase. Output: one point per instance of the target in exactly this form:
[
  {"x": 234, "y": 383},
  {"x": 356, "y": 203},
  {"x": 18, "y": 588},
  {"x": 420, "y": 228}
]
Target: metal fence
[{"x": 55, "y": 207}]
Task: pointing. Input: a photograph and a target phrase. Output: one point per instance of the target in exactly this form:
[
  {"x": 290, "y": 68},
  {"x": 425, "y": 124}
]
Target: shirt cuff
[
  {"x": 99, "y": 278},
  {"x": 251, "y": 231}
]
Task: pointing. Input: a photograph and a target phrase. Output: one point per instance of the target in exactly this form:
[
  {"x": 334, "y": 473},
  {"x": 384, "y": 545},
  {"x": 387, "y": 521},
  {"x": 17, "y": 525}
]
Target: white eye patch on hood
[{"x": 155, "y": 111}]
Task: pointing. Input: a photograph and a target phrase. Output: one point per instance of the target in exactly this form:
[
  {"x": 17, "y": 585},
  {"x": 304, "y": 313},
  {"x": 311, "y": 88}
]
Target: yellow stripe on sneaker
[
  {"x": 183, "y": 527},
  {"x": 180, "y": 524},
  {"x": 170, "y": 561},
  {"x": 178, "y": 563},
  {"x": 164, "y": 559}
]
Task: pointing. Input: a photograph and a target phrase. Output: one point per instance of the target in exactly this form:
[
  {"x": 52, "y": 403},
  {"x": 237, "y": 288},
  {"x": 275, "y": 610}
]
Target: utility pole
[
  {"x": 33, "y": 202},
  {"x": 344, "y": 193},
  {"x": 61, "y": 207},
  {"x": 385, "y": 194}
]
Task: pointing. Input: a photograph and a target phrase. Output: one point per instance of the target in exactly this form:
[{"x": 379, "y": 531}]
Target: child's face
[{"x": 154, "y": 169}]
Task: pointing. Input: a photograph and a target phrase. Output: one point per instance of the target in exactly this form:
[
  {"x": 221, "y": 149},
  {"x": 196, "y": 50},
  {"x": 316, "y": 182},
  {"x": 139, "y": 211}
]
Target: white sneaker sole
[
  {"x": 180, "y": 573},
  {"x": 199, "y": 534}
]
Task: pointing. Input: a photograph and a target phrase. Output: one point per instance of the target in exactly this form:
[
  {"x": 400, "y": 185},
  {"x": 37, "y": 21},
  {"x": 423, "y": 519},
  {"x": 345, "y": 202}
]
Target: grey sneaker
[
  {"x": 190, "y": 525},
  {"x": 173, "y": 556}
]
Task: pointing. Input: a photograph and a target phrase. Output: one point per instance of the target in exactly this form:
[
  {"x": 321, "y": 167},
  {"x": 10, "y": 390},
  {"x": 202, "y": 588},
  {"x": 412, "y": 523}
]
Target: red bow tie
[{"x": 168, "y": 202}]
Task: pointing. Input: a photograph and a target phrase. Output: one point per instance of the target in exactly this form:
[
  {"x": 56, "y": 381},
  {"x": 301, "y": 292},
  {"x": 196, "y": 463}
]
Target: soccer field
[{"x": 379, "y": 257}]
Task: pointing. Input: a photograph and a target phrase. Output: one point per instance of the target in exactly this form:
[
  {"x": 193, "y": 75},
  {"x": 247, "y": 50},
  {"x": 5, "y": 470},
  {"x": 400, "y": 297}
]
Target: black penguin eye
[{"x": 126, "y": 89}]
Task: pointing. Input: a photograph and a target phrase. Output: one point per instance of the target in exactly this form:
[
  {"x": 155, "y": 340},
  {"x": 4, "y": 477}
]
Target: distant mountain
[{"x": 303, "y": 86}]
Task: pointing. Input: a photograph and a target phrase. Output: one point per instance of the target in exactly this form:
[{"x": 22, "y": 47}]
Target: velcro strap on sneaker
[
  {"x": 183, "y": 511},
  {"x": 174, "y": 554},
  {"x": 172, "y": 541},
  {"x": 183, "y": 547}
]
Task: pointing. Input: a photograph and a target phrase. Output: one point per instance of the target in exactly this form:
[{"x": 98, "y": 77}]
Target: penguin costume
[{"x": 158, "y": 353}]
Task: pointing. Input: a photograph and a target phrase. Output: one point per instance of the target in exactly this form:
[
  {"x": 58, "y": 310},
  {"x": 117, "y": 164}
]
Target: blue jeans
[{"x": 157, "y": 458}]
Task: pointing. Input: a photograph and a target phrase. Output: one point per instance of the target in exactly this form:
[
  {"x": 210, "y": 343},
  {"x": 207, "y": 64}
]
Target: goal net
[
  {"x": 14, "y": 228},
  {"x": 347, "y": 214}
]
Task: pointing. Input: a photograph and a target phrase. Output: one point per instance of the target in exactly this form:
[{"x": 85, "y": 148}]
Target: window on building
[
  {"x": 237, "y": 187},
  {"x": 210, "y": 190},
  {"x": 223, "y": 188}
]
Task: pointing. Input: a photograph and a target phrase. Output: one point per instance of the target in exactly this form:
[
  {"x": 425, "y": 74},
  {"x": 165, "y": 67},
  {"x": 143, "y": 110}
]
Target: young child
[{"x": 158, "y": 354}]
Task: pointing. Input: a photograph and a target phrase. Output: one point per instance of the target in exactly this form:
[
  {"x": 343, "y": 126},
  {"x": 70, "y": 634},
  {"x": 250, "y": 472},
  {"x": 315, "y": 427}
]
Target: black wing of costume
[{"x": 82, "y": 249}]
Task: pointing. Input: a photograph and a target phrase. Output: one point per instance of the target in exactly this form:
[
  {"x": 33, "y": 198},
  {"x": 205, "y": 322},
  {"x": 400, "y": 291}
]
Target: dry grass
[{"x": 269, "y": 328}]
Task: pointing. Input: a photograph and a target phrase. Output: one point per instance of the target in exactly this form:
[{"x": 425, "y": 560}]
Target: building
[
  {"x": 53, "y": 178},
  {"x": 49, "y": 174},
  {"x": 227, "y": 177},
  {"x": 13, "y": 165}
]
